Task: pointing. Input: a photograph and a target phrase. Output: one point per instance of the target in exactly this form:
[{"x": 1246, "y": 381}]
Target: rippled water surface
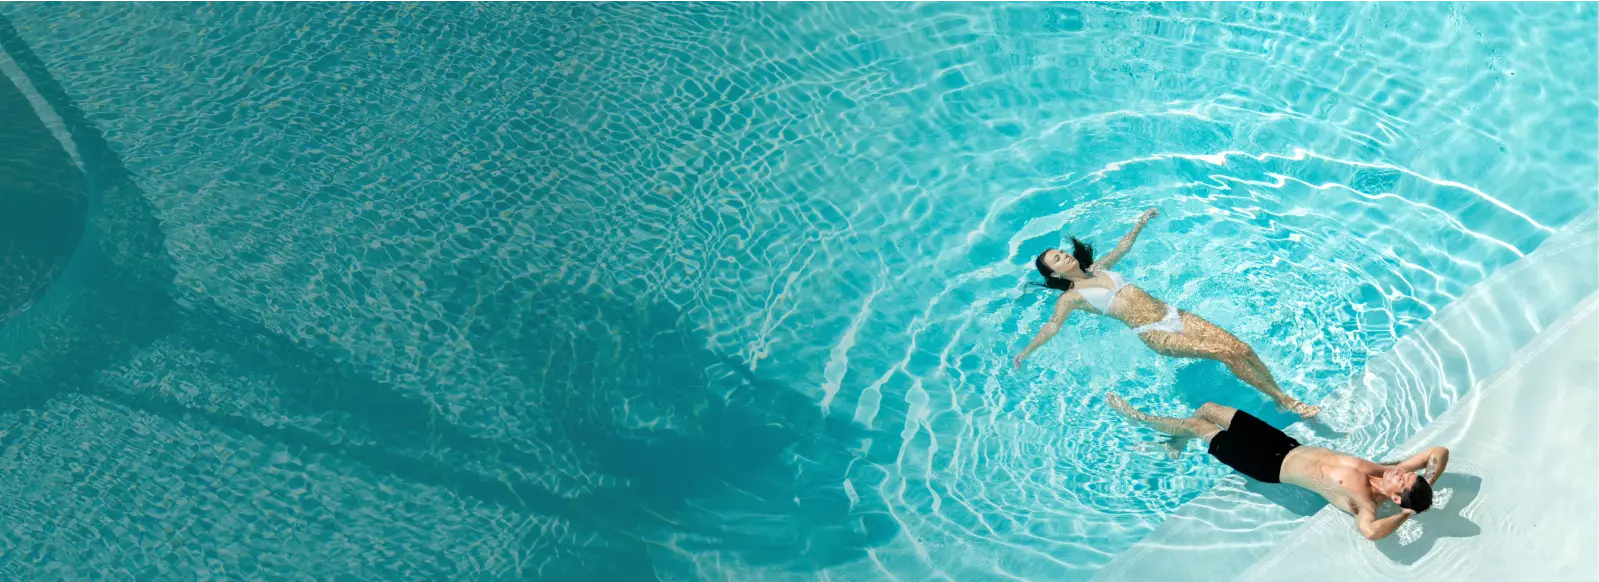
[{"x": 730, "y": 291}]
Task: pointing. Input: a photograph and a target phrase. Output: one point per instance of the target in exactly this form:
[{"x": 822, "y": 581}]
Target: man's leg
[
  {"x": 1181, "y": 429},
  {"x": 1216, "y": 414}
]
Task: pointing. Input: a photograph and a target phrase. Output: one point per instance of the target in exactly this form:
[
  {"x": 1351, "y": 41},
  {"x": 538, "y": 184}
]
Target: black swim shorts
[{"x": 1252, "y": 447}]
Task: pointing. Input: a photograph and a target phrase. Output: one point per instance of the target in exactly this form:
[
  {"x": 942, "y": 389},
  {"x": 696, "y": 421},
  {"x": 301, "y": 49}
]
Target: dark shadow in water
[
  {"x": 752, "y": 469},
  {"x": 1439, "y": 521},
  {"x": 731, "y": 477},
  {"x": 43, "y": 204},
  {"x": 116, "y": 298},
  {"x": 109, "y": 297},
  {"x": 416, "y": 443},
  {"x": 747, "y": 467}
]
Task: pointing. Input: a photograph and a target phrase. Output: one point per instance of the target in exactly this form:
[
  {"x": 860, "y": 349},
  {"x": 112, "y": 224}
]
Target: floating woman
[{"x": 1090, "y": 285}]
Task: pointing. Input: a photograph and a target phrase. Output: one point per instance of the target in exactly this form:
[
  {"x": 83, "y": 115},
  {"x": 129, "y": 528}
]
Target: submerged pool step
[{"x": 1222, "y": 533}]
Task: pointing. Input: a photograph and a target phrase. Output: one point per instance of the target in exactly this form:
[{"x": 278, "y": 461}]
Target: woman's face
[{"x": 1061, "y": 262}]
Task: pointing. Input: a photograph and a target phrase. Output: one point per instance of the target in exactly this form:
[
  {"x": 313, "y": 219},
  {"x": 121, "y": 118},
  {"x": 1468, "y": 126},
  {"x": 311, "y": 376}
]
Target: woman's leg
[{"x": 1203, "y": 339}]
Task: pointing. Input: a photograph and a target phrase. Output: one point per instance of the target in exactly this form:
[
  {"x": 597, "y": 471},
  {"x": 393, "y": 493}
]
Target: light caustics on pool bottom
[{"x": 617, "y": 257}]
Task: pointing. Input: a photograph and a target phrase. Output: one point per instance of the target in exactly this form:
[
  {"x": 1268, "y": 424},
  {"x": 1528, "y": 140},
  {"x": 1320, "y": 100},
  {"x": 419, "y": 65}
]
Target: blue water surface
[{"x": 719, "y": 291}]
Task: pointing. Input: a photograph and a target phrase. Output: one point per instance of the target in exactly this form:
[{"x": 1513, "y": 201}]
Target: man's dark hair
[{"x": 1418, "y": 498}]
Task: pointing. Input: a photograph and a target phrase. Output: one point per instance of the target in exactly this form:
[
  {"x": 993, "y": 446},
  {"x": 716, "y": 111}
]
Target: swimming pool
[{"x": 708, "y": 291}]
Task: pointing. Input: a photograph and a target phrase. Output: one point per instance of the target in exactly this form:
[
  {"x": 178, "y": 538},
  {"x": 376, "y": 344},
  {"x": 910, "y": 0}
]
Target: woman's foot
[{"x": 1305, "y": 411}]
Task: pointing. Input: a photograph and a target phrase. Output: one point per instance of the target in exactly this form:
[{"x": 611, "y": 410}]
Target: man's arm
[
  {"x": 1126, "y": 244},
  {"x": 1365, "y": 514},
  {"x": 1375, "y": 529},
  {"x": 1063, "y": 308},
  {"x": 1434, "y": 460}
]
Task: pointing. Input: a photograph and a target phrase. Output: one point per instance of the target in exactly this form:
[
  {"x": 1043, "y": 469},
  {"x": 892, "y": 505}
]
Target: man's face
[{"x": 1395, "y": 482}]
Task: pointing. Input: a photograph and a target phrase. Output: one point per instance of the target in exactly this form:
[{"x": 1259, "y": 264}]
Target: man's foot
[
  {"x": 1305, "y": 411},
  {"x": 1119, "y": 405},
  {"x": 1174, "y": 447}
]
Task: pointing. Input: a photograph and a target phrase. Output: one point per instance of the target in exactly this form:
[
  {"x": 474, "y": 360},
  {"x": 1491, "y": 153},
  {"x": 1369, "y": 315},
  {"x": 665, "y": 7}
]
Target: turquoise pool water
[{"x": 615, "y": 292}]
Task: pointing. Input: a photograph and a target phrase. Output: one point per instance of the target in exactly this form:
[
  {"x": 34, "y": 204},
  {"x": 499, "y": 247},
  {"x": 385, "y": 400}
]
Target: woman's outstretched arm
[
  {"x": 1063, "y": 307},
  {"x": 1126, "y": 244}
]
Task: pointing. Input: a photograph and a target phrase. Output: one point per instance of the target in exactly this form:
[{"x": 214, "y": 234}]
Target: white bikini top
[{"x": 1101, "y": 297}]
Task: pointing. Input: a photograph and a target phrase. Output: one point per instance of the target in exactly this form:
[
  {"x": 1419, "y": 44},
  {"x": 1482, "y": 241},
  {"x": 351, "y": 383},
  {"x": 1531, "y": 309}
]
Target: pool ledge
[
  {"x": 1223, "y": 533},
  {"x": 1519, "y": 499}
]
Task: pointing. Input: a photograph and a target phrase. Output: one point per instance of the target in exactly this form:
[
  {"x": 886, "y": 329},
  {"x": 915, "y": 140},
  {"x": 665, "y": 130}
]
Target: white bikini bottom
[{"x": 1172, "y": 323}]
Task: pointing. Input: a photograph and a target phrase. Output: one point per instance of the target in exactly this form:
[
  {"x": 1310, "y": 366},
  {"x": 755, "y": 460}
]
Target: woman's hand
[
  {"x": 1115, "y": 255},
  {"x": 1018, "y": 360}
]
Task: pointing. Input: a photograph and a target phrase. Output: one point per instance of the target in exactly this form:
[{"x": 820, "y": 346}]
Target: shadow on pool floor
[
  {"x": 1443, "y": 521},
  {"x": 742, "y": 462}
]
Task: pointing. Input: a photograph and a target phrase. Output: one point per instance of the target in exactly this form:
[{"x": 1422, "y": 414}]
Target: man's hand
[
  {"x": 1148, "y": 214},
  {"x": 1018, "y": 360},
  {"x": 1376, "y": 529}
]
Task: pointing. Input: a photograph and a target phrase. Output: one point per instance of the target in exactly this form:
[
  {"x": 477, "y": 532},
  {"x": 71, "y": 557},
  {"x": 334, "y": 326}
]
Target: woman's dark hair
[{"x": 1083, "y": 252}]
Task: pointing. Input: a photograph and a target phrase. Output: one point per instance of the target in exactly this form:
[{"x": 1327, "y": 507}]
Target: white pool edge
[{"x": 1524, "y": 496}]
